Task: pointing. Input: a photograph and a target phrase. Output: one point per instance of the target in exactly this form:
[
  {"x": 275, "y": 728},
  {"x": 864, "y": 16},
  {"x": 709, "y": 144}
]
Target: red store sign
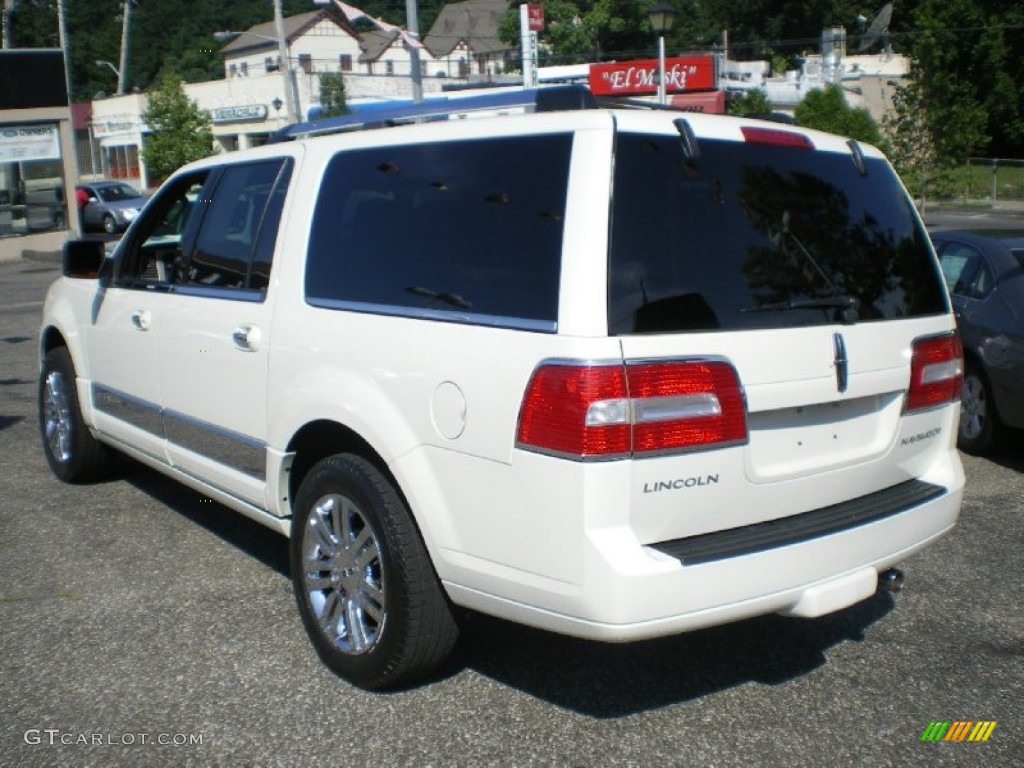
[
  {"x": 535, "y": 14},
  {"x": 682, "y": 73}
]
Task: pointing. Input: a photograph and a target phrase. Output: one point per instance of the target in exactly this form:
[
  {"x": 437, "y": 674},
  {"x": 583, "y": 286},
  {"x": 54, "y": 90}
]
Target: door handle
[
  {"x": 246, "y": 338},
  {"x": 141, "y": 319}
]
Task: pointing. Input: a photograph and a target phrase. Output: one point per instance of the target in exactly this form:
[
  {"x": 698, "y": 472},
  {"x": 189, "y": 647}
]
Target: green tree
[
  {"x": 752, "y": 102},
  {"x": 912, "y": 150},
  {"x": 179, "y": 130},
  {"x": 969, "y": 61},
  {"x": 827, "y": 110},
  {"x": 333, "y": 101},
  {"x": 578, "y": 31}
]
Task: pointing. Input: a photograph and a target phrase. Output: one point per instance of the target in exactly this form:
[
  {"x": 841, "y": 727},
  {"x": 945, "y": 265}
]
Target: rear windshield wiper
[
  {"x": 825, "y": 302},
  {"x": 848, "y": 304}
]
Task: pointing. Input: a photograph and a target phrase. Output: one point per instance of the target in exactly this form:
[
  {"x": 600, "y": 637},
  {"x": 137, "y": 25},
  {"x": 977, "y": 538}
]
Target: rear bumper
[{"x": 633, "y": 592}]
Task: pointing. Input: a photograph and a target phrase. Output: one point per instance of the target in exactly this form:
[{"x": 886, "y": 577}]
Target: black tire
[
  {"x": 357, "y": 561},
  {"x": 980, "y": 430},
  {"x": 73, "y": 454},
  {"x": 109, "y": 225}
]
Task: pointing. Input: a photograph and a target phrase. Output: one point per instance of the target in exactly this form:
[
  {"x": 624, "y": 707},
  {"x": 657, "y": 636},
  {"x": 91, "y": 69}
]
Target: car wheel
[
  {"x": 979, "y": 429},
  {"x": 109, "y": 225},
  {"x": 73, "y": 454},
  {"x": 367, "y": 592}
]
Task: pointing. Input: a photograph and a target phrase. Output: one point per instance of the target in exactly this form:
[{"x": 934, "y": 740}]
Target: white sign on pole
[
  {"x": 21, "y": 143},
  {"x": 528, "y": 43}
]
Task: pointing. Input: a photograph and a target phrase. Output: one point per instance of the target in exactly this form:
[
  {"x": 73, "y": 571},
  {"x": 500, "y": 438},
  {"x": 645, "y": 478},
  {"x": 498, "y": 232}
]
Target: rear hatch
[{"x": 806, "y": 271}]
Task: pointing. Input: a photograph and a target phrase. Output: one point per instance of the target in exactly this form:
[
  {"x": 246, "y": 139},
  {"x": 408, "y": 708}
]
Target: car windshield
[{"x": 117, "y": 192}]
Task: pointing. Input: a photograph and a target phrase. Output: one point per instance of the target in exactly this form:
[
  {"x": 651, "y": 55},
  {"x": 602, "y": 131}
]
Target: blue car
[{"x": 984, "y": 271}]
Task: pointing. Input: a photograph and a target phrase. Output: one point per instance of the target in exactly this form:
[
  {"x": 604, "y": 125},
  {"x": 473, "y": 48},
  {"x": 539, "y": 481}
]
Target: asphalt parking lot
[{"x": 141, "y": 625}]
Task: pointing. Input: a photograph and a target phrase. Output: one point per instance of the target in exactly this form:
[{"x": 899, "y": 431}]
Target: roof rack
[{"x": 552, "y": 99}]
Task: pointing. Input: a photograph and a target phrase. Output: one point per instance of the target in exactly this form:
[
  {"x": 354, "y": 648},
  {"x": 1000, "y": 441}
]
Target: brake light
[
  {"x": 778, "y": 138},
  {"x": 593, "y": 411},
  {"x": 936, "y": 372}
]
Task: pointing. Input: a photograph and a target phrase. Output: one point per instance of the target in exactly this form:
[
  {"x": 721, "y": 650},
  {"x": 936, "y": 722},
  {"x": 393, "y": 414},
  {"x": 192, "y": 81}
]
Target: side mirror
[{"x": 83, "y": 258}]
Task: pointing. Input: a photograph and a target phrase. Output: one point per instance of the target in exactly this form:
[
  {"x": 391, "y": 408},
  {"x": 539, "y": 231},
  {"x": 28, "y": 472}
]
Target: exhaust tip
[{"x": 891, "y": 580}]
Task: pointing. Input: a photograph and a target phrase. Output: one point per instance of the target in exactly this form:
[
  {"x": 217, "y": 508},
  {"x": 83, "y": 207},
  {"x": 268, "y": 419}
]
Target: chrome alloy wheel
[
  {"x": 342, "y": 575},
  {"x": 57, "y": 417},
  {"x": 973, "y": 408}
]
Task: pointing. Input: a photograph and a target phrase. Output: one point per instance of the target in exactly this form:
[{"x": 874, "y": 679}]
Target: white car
[{"x": 613, "y": 373}]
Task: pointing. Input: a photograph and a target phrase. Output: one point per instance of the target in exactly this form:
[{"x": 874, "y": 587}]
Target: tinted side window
[
  {"x": 236, "y": 207},
  {"x": 759, "y": 236},
  {"x": 468, "y": 230}
]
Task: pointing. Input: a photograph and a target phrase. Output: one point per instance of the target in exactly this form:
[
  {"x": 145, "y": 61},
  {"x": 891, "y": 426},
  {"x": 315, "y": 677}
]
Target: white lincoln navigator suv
[{"x": 613, "y": 373}]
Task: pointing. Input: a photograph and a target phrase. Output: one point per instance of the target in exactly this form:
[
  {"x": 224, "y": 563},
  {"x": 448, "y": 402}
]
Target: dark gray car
[
  {"x": 112, "y": 205},
  {"x": 984, "y": 271}
]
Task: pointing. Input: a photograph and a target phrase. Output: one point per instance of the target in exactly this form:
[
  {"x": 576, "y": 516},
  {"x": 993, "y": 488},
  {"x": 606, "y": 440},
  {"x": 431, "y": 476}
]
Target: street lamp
[
  {"x": 661, "y": 15},
  {"x": 115, "y": 70}
]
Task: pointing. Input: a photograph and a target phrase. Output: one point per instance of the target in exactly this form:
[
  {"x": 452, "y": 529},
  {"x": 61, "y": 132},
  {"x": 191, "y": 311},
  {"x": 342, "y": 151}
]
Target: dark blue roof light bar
[{"x": 528, "y": 100}]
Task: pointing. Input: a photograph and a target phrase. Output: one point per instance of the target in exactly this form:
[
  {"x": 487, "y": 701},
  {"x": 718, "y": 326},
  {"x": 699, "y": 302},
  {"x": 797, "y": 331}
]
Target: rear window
[
  {"x": 760, "y": 236},
  {"x": 467, "y": 231}
]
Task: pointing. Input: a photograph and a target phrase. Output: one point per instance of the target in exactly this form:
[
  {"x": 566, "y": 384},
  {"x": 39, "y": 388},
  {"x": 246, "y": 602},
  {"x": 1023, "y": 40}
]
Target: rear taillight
[
  {"x": 936, "y": 372},
  {"x": 594, "y": 411}
]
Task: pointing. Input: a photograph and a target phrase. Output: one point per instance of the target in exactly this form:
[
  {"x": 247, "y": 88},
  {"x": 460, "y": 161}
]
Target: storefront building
[{"x": 37, "y": 157}]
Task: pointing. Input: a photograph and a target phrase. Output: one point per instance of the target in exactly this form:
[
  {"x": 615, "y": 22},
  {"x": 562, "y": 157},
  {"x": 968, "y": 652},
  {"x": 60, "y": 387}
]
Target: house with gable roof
[{"x": 464, "y": 40}]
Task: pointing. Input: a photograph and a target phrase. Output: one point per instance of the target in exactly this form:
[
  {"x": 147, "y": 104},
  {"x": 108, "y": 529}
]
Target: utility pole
[
  {"x": 122, "y": 71},
  {"x": 412, "y": 27},
  {"x": 8, "y": 7},
  {"x": 286, "y": 67},
  {"x": 62, "y": 33}
]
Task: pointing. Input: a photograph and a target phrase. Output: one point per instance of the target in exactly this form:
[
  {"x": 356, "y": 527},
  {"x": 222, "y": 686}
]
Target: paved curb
[{"x": 47, "y": 257}]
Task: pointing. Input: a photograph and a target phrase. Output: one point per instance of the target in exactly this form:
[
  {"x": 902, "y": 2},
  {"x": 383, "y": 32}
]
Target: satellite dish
[{"x": 878, "y": 31}]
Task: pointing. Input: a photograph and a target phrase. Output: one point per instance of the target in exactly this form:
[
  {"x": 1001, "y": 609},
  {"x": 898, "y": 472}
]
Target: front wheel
[
  {"x": 367, "y": 592},
  {"x": 109, "y": 225},
  {"x": 73, "y": 454},
  {"x": 979, "y": 430}
]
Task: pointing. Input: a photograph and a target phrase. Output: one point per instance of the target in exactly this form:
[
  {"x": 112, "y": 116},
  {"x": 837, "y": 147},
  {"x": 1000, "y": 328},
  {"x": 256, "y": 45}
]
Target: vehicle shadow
[
  {"x": 1011, "y": 458},
  {"x": 258, "y": 541},
  {"x": 611, "y": 681},
  {"x": 599, "y": 680}
]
